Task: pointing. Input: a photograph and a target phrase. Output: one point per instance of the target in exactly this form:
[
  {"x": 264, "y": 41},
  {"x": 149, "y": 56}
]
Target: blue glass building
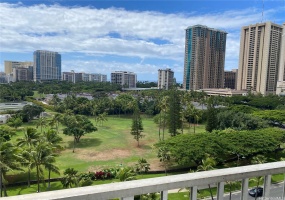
[{"x": 204, "y": 58}]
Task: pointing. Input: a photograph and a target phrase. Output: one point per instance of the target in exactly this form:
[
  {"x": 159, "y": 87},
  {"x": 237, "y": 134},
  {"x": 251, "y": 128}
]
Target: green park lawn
[{"x": 111, "y": 146}]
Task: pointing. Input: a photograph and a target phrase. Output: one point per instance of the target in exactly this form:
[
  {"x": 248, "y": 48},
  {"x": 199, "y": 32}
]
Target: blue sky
[{"x": 138, "y": 36}]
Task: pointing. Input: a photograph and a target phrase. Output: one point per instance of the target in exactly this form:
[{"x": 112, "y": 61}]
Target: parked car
[{"x": 256, "y": 191}]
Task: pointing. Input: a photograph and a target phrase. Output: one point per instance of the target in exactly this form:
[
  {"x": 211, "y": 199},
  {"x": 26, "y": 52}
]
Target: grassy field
[{"x": 112, "y": 145}]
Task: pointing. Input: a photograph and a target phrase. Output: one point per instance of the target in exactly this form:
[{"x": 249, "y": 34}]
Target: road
[{"x": 275, "y": 194}]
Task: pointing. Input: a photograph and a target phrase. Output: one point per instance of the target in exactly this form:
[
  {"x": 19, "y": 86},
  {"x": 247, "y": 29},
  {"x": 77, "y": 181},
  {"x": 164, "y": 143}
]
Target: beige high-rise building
[
  {"x": 10, "y": 65},
  {"x": 165, "y": 79},
  {"x": 259, "y": 59},
  {"x": 204, "y": 58},
  {"x": 280, "y": 90}
]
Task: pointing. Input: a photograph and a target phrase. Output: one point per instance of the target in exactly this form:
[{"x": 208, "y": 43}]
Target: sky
[{"x": 101, "y": 36}]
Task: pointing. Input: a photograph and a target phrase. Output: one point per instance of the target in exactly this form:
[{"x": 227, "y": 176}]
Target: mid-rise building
[
  {"x": 126, "y": 79},
  {"x": 10, "y": 65},
  {"x": 259, "y": 58},
  {"x": 165, "y": 79},
  {"x": 231, "y": 79},
  {"x": 47, "y": 65},
  {"x": 3, "y": 78},
  {"x": 23, "y": 74},
  {"x": 78, "y": 77},
  {"x": 204, "y": 58}
]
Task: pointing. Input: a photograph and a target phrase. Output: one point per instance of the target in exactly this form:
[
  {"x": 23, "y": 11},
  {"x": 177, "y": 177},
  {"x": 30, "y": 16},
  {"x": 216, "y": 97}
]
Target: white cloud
[{"x": 88, "y": 30}]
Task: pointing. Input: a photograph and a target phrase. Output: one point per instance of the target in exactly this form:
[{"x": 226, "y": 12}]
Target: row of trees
[
  {"x": 223, "y": 146},
  {"x": 32, "y": 151}
]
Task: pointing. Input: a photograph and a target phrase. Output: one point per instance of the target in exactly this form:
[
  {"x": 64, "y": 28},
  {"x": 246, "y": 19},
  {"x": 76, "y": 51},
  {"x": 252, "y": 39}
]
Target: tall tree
[
  {"x": 137, "y": 127},
  {"x": 42, "y": 156},
  {"x": 174, "y": 112},
  {"x": 53, "y": 139},
  {"x": 9, "y": 160},
  {"x": 211, "y": 115},
  {"x": 30, "y": 139},
  {"x": 42, "y": 122}
]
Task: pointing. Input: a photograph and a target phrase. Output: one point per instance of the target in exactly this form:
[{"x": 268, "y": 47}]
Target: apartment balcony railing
[{"x": 127, "y": 190}]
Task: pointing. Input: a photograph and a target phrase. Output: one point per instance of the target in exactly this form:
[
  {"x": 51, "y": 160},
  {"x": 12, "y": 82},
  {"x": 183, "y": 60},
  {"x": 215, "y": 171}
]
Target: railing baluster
[
  {"x": 127, "y": 198},
  {"x": 193, "y": 195},
  {"x": 283, "y": 195},
  {"x": 244, "y": 189},
  {"x": 164, "y": 195},
  {"x": 267, "y": 184},
  {"x": 220, "y": 192}
]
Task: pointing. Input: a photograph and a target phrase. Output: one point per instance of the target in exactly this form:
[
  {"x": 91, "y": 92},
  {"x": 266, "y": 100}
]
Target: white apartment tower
[
  {"x": 126, "y": 79},
  {"x": 259, "y": 59},
  {"x": 165, "y": 79},
  {"x": 47, "y": 65}
]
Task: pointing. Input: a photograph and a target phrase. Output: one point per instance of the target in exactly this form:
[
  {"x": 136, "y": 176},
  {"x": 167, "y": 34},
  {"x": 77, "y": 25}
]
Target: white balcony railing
[{"x": 127, "y": 190}]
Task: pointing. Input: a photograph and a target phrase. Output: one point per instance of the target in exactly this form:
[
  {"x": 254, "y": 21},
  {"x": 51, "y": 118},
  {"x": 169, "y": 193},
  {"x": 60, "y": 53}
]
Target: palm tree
[
  {"x": 70, "y": 178},
  {"x": 164, "y": 157},
  {"x": 53, "y": 140},
  {"x": 30, "y": 139},
  {"x": 9, "y": 160},
  {"x": 207, "y": 164},
  {"x": 42, "y": 156},
  {"x": 126, "y": 174},
  {"x": 42, "y": 123},
  {"x": 142, "y": 166}
]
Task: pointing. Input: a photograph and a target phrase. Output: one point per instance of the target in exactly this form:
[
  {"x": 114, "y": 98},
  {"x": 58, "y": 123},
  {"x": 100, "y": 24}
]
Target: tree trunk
[
  {"x": 5, "y": 189},
  {"x": 38, "y": 177},
  {"x": 230, "y": 191},
  {"x": 73, "y": 146},
  {"x": 1, "y": 182},
  {"x": 211, "y": 192},
  {"x": 159, "y": 126},
  {"x": 29, "y": 177},
  {"x": 48, "y": 178}
]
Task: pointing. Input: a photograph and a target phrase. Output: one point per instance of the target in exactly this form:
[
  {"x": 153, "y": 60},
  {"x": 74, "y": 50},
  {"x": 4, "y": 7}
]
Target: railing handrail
[{"x": 136, "y": 187}]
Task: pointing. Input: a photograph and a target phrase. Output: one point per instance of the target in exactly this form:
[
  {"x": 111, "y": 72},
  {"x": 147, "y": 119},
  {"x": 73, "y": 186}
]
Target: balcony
[{"x": 127, "y": 190}]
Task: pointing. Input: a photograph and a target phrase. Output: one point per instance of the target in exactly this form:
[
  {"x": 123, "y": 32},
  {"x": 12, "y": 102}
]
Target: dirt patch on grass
[{"x": 91, "y": 155}]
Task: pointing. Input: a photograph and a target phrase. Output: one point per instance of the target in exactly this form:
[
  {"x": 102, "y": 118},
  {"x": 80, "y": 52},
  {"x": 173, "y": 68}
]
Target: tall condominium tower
[
  {"x": 165, "y": 79},
  {"x": 204, "y": 58},
  {"x": 259, "y": 59},
  {"x": 280, "y": 90},
  {"x": 47, "y": 65},
  {"x": 126, "y": 79}
]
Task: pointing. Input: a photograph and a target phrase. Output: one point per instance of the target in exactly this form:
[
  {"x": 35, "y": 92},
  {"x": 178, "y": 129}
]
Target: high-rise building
[
  {"x": 10, "y": 65},
  {"x": 126, "y": 79},
  {"x": 231, "y": 79},
  {"x": 280, "y": 90},
  {"x": 204, "y": 58},
  {"x": 47, "y": 65},
  {"x": 165, "y": 79},
  {"x": 259, "y": 59}
]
